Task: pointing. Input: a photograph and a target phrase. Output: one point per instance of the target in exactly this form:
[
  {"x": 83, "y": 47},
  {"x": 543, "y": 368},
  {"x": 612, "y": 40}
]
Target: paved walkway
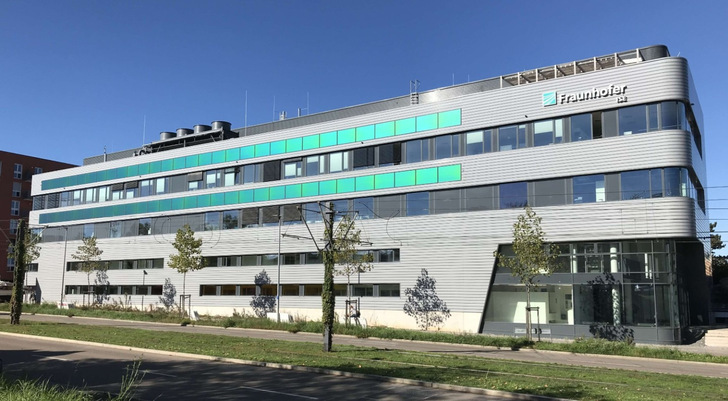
[{"x": 526, "y": 355}]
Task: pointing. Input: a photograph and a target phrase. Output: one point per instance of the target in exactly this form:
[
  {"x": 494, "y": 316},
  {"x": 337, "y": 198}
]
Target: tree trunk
[
  {"x": 328, "y": 301},
  {"x": 528, "y": 313},
  {"x": 16, "y": 301}
]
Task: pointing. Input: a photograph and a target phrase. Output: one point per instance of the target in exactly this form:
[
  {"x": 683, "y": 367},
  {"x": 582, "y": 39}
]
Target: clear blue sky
[{"x": 80, "y": 75}]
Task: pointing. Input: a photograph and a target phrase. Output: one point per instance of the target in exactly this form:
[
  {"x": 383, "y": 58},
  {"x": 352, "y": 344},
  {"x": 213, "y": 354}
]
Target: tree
[
  {"x": 90, "y": 256},
  {"x": 169, "y": 292},
  {"x": 189, "y": 256},
  {"x": 16, "y": 300},
  {"x": 716, "y": 242},
  {"x": 532, "y": 257},
  {"x": 262, "y": 304},
  {"x": 347, "y": 257},
  {"x": 423, "y": 304}
]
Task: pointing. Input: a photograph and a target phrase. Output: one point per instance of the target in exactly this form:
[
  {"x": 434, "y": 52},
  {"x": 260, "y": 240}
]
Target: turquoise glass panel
[
  {"x": 152, "y": 206},
  {"x": 118, "y": 210},
  {"x": 164, "y": 205},
  {"x": 365, "y": 133},
  {"x": 384, "y": 181},
  {"x": 427, "y": 176},
  {"x": 344, "y": 185},
  {"x": 449, "y": 118},
  {"x": 178, "y": 204},
  {"x": 261, "y": 195},
  {"x": 328, "y": 139},
  {"x": 365, "y": 183},
  {"x": 154, "y": 167},
  {"x": 143, "y": 170},
  {"x": 120, "y": 173},
  {"x": 231, "y": 198},
  {"x": 262, "y": 149},
  {"x": 217, "y": 199},
  {"x": 131, "y": 171},
  {"x": 406, "y": 126},
  {"x": 347, "y": 136},
  {"x": 167, "y": 165},
  {"x": 218, "y": 157},
  {"x": 327, "y": 187},
  {"x": 104, "y": 175},
  {"x": 192, "y": 161},
  {"x": 449, "y": 173},
  {"x": 245, "y": 196},
  {"x": 311, "y": 142},
  {"x": 427, "y": 122},
  {"x": 310, "y": 189},
  {"x": 278, "y": 192},
  {"x": 190, "y": 202},
  {"x": 232, "y": 155},
  {"x": 293, "y": 191},
  {"x": 178, "y": 163},
  {"x": 278, "y": 147},
  {"x": 404, "y": 178},
  {"x": 247, "y": 152},
  {"x": 294, "y": 145},
  {"x": 205, "y": 159},
  {"x": 203, "y": 200},
  {"x": 141, "y": 207}
]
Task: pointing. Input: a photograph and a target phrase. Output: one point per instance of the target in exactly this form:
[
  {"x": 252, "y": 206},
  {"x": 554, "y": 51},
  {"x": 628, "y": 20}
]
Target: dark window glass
[
  {"x": 208, "y": 290},
  {"x": 315, "y": 165},
  {"x": 418, "y": 203},
  {"x": 390, "y": 154},
  {"x": 291, "y": 259},
  {"x": 416, "y": 151},
  {"x": 589, "y": 189},
  {"x": 291, "y": 214},
  {"x": 632, "y": 120},
  {"x": 249, "y": 260},
  {"x": 312, "y": 213},
  {"x": 672, "y": 182},
  {"x": 145, "y": 226},
  {"x": 447, "y": 201},
  {"x": 474, "y": 143},
  {"x": 269, "y": 215},
  {"x": 443, "y": 147},
  {"x": 250, "y": 217},
  {"x": 507, "y": 138},
  {"x": 313, "y": 258},
  {"x": 388, "y": 290},
  {"x": 635, "y": 184},
  {"x": 247, "y": 290},
  {"x": 656, "y": 183},
  {"x": 550, "y": 193},
  {"x": 513, "y": 195},
  {"x": 212, "y": 221},
  {"x": 251, "y": 173},
  {"x": 271, "y": 171},
  {"x": 269, "y": 260},
  {"x": 581, "y": 127},
  {"x": 290, "y": 289},
  {"x": 389, "y": 206},
  {"x": 362, "y": 290},
  {"x": 479, "y": 198},
  {"x": 312, "y": 290},
  {"x": 364, "y": 207},
  {"x": 230, "y": 219},
  {"x": 652, "y": 124},
  {"x": 670, "y": 117},
  {"x": 388, "y": 255},
  {"x": 609, "y": 124},
  {"x": 363, "y": 158}
]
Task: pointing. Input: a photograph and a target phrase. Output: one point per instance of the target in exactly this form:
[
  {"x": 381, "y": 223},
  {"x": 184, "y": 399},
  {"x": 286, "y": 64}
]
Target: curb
[{"x": 299, "y": 368}]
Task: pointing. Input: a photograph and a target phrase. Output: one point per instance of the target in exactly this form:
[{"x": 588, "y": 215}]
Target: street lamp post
[
  {"x": 278, "y": 287},
  {"x": 63, "y": 271},
  {"x": 144, "y": 287}
]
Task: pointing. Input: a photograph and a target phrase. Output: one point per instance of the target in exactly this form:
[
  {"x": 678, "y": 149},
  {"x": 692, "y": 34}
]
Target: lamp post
[
  {"x": 63, "y": 271},
  {"x": 144, "y": 287}
]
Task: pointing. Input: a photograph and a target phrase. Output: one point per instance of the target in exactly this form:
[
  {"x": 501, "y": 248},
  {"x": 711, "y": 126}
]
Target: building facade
[
  {"x": 607, "y": 150},
  {"x": 16, "y": 172}
]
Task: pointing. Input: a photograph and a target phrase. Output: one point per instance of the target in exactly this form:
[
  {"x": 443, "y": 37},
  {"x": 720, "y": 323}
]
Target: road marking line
[
  {"x": 55, "y": 358},
  {"x": 278, "y": 392},
  {"x": 157, "y": 373}
]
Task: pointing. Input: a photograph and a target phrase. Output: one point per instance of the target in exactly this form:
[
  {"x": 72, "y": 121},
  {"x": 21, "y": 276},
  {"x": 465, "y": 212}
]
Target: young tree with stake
[
  {"x": 189, "y": 255},
  {"x": 90, "y": 256}
]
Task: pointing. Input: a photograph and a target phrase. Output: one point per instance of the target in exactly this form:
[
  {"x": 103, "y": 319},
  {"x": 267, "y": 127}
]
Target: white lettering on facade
[{"x": 594, "y": 93}]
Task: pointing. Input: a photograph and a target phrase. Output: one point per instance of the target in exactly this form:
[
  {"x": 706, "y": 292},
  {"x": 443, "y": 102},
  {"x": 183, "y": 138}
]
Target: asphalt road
[
  {"x": 167, "y": 377},
  {"x": 526, "y": 355}
]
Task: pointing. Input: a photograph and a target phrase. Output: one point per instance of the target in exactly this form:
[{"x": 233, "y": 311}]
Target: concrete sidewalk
[{"x": 525, "y": 355}]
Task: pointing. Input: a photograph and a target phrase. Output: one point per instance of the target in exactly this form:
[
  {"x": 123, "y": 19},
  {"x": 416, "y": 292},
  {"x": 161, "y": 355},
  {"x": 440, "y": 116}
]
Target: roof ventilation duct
[
  {"x": 163, "y": 136},
  {"x": 201, "y": 128},
  {"x": 183, "y": 131}
]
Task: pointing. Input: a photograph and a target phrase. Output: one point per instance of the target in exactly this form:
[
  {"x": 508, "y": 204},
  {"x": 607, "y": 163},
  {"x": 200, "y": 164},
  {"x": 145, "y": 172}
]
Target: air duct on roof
[
  {"x": 201, "y": 128},
  {"x": 166, "y": 135},
  {"x": 183, "y": 131}
]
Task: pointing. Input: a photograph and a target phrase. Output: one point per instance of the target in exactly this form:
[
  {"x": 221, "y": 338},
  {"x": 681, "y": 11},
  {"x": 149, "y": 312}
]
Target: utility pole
[
  {"x": 327, "y": 296},
  {"x": 16, "y": 301},
  {"x": 278, "y": 279}
]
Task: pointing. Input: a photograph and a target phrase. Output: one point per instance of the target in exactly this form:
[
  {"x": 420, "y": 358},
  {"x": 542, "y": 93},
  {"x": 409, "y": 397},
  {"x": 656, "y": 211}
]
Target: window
[
  {"x": 656, "y": 183},
  {"x": 250, "y": 217},
  {"x": 88, "y": 231},
  {"x": 390, "y": 154},
  {"x": 145, "y": 226},
  {"x": 418, "y": 203},
  {"x": 362, "y": 290},
  {"x": 13, "y": 227},
  {"x": 145, "y": 187},
  {"x": 364, "y": 208},
  {"x": 212, "y": 179},
  {"x": 480, "y": 198},
  {"x": 251, "y": 173},
  {"x": 269, "y": 215},
  {"x": 37, "y": 170},
  {"x": 249, "y": 260},
  {"x": 161, "y": 185},
  {"x": 549, "y": 193},
  {"x": 18, "y": 171},
  {"x": 581, "y": 127},
  {"x": 389, "y": 206},
  {"x": 269, "y": 260},
  {"x": 548, "y": 132},
  {"x": 446, "y": 146},
  {"x": 230, "y": 219},
  {"x": 589, "y": 189},
  {"x": 313, "y": 258},
  {"x": 388, "y": 290},
  {"x": 635, "y": 184},
  {"x": 363, "y": 158},
  {"x": 513, "y": 137},
  {"x": 230, "y": 177},
  {"x": 387, "y": 255},
  {"x": 14, "y": 208},
  {"x": 17, "y": 189},
  {"x": 315, "y": 165},
  {"x": 271, "y": 171},
  {"x": 514, "y": 195},
  {"x": 447, "y": 201},
  {"x": 292, "y": 169},
  {"x": 291, "y": 259},
  {"x": 194, "y": 181},
  {"x": 417, "y": 150},
  {"x": 632, "y": 120},
  {"x": 212, "y": 221},
  {"x": 290, "y": 289},
  {"x": 672, "y": 182},
  {"x": 338, "y": 162}
]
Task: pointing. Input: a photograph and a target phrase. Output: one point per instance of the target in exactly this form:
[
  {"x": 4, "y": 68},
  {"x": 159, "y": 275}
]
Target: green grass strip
[{"x": 531, "y": 378}]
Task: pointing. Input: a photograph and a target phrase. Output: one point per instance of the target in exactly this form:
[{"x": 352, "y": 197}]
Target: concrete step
[{"x": 716, "y": 338}]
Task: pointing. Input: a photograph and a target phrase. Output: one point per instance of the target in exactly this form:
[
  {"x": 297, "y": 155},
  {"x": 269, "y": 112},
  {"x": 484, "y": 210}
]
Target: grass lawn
[
  {"x": 583, "y": 346},
  {"x": 532, "y": 378}
]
